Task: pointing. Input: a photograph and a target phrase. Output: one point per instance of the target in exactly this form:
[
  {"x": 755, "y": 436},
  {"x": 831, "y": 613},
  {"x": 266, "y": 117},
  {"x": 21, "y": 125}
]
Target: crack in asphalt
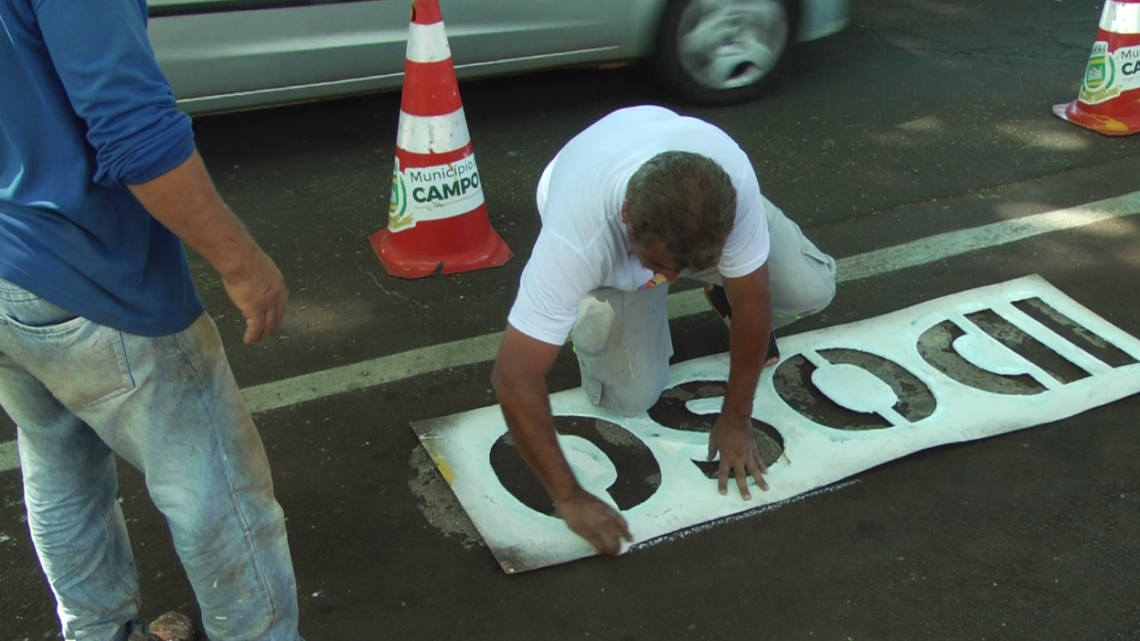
[{"x": 389, "y": 292}]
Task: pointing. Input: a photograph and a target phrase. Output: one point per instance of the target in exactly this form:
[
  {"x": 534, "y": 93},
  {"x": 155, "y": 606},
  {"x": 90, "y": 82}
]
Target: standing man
[
  {"x": 104, "y": 345},
  {"x": 636, "y": 201}
]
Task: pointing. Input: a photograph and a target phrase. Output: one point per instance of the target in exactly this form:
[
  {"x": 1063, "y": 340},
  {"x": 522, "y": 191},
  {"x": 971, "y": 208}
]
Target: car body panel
[{"x": 222, "y": 55}]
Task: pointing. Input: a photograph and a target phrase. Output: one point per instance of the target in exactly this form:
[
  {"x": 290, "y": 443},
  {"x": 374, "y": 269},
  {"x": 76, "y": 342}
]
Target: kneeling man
[{"x": 638, "y": 200}]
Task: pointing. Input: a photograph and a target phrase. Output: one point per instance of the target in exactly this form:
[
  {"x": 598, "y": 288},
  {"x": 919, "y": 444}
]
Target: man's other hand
[{"x": 738, "y": 452}]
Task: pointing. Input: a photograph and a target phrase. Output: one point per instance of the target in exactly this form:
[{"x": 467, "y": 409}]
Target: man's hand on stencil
[
  {"x": 594, "y": 520},
  {"x": 732, "y": 437}
]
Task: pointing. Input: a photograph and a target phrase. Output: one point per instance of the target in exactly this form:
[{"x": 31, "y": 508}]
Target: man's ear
[{"x": 625, "y": 213}]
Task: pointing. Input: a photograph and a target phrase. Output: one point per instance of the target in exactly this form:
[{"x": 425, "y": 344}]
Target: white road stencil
[{"x": 842, "y": 400}]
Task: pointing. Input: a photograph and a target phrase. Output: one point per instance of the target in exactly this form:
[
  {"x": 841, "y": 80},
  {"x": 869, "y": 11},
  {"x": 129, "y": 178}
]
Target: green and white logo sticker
[
  {"x": 433, "y": 193},
  {"x": 1110, "y": 73},
  {"x": 1101, "y": 70}
]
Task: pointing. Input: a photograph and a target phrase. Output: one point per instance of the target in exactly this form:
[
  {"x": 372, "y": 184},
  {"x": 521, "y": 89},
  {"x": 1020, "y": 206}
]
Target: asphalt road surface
[{"x": 925, "y": 117}]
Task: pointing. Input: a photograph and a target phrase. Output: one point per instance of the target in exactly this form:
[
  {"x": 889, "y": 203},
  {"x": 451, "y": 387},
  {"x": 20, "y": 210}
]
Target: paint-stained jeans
[{"x": 80, "y": 392}]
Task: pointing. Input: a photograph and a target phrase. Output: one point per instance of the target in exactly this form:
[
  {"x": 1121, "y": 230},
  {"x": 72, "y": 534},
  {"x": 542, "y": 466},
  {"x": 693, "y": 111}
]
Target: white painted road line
[
  {"x": 386, "y": 369},
  {"x": 425, "y": 360},
  {"x": 955, "y": 243}
]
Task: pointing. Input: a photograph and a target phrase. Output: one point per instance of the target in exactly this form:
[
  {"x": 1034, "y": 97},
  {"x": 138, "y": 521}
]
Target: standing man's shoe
[{"x": 172, "y": 626}]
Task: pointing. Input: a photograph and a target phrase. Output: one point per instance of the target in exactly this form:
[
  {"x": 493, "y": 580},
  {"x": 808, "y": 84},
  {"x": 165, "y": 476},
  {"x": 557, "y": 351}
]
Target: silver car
[{"x": 223, "y": 55}]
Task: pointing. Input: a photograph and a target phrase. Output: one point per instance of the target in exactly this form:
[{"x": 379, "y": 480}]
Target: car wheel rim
[{"x": 728, "y": 44}]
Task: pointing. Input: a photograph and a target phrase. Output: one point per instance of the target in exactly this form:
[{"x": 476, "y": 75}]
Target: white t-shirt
[{"x": 583, "y": 244}]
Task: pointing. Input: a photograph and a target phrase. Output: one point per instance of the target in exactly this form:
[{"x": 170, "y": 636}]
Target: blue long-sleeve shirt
[{"x": 84, "y": 112}]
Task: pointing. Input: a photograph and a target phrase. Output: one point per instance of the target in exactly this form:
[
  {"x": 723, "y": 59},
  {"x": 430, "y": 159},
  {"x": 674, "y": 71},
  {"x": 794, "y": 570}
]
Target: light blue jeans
[{"x": 81, "y": 392}]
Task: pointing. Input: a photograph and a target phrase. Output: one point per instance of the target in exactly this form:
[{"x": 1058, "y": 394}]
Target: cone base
[
  {"x": 398, "y": 262},
  {"x": 1078, "y": 114}
]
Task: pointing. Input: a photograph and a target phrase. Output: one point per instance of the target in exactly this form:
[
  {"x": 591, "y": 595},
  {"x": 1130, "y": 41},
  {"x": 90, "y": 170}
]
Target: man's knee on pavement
[
  {"x": 803, "y": 301},
  {"x": 817, "y": 299}
]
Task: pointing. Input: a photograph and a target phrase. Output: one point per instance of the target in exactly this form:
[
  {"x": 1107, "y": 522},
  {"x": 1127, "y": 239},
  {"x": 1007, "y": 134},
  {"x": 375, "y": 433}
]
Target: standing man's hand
[
  {"x": 186, "y": 202},
  {"x": 594, "y": 520},
  {"x": 738, "y": 451},
  {"x": 258, "y": 290}
]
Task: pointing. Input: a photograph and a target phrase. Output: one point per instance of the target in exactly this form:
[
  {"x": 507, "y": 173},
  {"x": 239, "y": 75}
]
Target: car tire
[{"x": 751, "y": 42}]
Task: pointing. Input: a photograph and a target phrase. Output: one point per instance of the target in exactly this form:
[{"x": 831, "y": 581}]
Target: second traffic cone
[
  {"x": 1109, "y": 100},
  {"x": 437, "y": 220}
]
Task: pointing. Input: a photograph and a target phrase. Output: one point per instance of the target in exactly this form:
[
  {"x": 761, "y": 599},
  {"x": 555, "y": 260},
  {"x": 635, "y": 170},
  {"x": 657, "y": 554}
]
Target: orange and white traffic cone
[
  {"x": 1109, "y": 100},
  {"x": 437, "y": 220}
]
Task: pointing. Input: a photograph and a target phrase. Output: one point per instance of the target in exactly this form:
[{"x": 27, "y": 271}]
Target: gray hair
[{"x": 685, "y": 199}]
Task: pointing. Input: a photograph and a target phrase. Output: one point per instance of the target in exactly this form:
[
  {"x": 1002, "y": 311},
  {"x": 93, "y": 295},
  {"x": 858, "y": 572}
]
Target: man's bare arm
[
  {"x": 748, "y": 343},
  {"x": 186, "y": 202},
  {"x": 748, "y": 338},
  {"x": 519, "y": 380}
]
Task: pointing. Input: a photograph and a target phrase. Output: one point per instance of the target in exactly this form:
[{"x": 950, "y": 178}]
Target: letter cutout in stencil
[
  {"x": 607, "y": 459},
  {"x": 940, "y": 346},
  {"x": 985, "y": 350},
  {"x": 845, "y": 399},
  {"x": 672, "y": 410},
  {"x": 1073, "y": 332},
  {"x": 847, "y": 389}
]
